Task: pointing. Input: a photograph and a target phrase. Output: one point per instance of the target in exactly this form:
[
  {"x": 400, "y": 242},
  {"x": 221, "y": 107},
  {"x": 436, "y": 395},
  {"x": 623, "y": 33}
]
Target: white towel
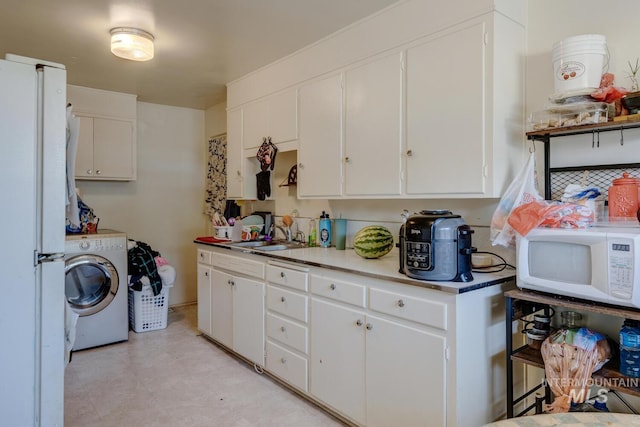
[
  {"x": 71, "y": 320},
  {"x": 168, "y": 274},
  {"x": 73, "y": 129}
]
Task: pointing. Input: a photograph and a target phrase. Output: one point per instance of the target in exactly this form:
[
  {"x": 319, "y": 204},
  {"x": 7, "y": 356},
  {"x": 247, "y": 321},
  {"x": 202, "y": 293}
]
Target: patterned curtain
[{"x": 216, "y": 186}]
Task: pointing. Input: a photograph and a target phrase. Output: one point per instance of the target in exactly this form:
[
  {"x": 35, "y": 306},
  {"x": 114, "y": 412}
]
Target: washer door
[{"x": 91, "y": 283}]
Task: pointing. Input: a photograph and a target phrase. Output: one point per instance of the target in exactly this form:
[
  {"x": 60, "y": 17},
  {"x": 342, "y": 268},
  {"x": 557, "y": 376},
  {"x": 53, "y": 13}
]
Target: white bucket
[{"x": 578, "y": 62}]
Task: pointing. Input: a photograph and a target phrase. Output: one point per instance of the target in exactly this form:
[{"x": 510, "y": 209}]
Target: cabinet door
[
  {"x": 248, "y": 319},
  {"x": 320, "y": 138},
  {"x": 338, "y": 358},
  {"x": 235, "y": 178},
  {"x": 113, "y": 155},
  {"x": 406, "y": 375},
  {"x": 84, "y": 155},
  {"x": 222, "y": 307},
  {"x": 255, "y": 124},
  {"x": 204, "y": 299},
  {"x": 446, "y": 114},
  {"x": 373, "y": 128},
  {"x": 283, "y": 117}
]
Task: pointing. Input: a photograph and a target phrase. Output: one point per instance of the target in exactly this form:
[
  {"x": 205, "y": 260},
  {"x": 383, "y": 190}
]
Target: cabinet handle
[
  {"x": 369, "y": 326},
  {"x": 282, "y": 274},
  {"x": 232, "y": 283},
  {"x": 238, "y": 173},
  {"x": 283, "y": 299},
  {"x": 400, "y": 303},
  {"x": 206, "y": 274},
  {"x": 98, "y": 172},
  {"x": 300, "y": 165},
  {"x": 282, "y": 328},
  {"x": 89, "y": 171},
  {"x": 358, "y": 322},
  {"x": 409, "y": 153},
  {"x": 332, "y": 286},
  {"x": 346, "y": 159},
  {"x": 283, "y": 360}
]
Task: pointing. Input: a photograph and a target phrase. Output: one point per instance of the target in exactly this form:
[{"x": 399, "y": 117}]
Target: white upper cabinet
[
  {"x": 107, "y": 137},
  {"x": 464, "y": 101},
  {"x": 445, "y": 114},
  {"x": 274, "y": 116},
  {"x": 320, "y": 139},
  {"x": 373, "y": 127},
  {"x": 236, "y": 178},
  {"x": 425, "y": 108}
]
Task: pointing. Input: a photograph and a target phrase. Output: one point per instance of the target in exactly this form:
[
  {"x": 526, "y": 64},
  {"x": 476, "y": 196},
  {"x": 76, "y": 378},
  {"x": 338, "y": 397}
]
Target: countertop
[
  {"x": 572, "y": 419},
  {"x": 385, "y": 268}
]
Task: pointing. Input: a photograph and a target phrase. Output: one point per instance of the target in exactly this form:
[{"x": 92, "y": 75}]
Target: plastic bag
[
  {"x": 523, "y": 189},
  {"x": 542, "y": 213},
  {"x": 570, "y": 357}
]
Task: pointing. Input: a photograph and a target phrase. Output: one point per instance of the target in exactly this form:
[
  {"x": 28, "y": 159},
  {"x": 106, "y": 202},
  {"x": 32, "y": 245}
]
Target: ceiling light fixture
[{"x": 132, "y": 43}]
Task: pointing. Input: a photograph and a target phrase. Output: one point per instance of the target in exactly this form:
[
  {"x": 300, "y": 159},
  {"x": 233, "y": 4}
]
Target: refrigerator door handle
[{"x": 39, "y": 258}]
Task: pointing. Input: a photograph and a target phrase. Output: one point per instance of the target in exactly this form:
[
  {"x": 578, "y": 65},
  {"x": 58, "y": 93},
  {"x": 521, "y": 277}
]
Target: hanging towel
[
  {"x": 73, "y": 129},
  {"x": 216, "y": 184}
]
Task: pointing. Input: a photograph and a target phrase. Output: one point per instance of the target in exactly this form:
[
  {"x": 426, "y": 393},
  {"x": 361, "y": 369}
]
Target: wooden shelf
[
  {"x": 582, "y": 129},
  {"x": 574, "y": 303},
  {"x": 608, "y": 377}
]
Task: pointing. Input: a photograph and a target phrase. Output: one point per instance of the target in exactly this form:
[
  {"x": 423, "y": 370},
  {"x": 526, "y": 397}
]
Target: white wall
[{"x": 164, "y": 206}]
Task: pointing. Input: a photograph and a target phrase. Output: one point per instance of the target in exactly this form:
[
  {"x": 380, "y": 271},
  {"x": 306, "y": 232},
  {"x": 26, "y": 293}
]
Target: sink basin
[{"x": 274, "y": 245}]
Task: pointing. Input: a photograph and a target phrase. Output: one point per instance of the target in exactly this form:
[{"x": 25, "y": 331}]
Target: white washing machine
[{"x": 96, "y": 287}]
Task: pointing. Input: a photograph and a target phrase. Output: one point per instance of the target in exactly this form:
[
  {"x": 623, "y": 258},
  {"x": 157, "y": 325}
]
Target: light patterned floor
[{"x": 174, "y": 377}]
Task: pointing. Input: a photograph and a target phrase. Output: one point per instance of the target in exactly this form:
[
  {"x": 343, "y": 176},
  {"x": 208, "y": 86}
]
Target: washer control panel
[{"x": 95, "y": 244}]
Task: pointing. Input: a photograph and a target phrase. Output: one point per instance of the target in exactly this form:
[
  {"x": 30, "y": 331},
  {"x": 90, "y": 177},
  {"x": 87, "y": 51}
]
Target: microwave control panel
[{"x": 621, "y": 266}]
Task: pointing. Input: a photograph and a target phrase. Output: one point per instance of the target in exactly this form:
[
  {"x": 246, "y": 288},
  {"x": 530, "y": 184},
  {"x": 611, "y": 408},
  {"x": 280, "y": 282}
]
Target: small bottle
[
  {"x": 312, "y": 233},
  {"x": 630, "y": 348},
  {"x": 325, "y": 230}
]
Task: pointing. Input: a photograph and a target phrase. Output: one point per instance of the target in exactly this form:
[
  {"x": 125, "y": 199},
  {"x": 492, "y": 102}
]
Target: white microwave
[{"x": 597, "y": 263}]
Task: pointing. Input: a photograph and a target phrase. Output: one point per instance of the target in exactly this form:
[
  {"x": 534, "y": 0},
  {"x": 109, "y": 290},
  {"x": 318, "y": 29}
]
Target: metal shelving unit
[
  {"x": 555, "y": 179},
  {"x": 609, "y": 376}
]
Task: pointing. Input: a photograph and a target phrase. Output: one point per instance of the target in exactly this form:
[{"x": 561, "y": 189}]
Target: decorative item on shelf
[
  {"x": 292, "y": 178},
  {"x": 633, "y": 74}
]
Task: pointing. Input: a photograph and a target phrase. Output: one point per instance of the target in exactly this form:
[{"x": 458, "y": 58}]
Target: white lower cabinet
[
  {"x": 375, "y": 371},
  {"x": 287, "y": 324},
  {"x": 338, "y": 358},
  {"x": 234, "y": 313},
  {"x": 375, "y": 352},
  {"x": 406, "y": 373}
]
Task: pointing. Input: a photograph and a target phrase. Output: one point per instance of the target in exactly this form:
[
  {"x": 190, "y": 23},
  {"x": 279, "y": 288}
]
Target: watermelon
[{"x": 373, "y": 241}]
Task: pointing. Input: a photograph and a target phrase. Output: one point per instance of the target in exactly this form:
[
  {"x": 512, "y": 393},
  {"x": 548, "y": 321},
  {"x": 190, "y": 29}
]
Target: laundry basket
[{"x": 146, "y": 311}]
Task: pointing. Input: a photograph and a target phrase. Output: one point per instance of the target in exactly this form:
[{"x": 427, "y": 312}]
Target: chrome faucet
[{"x": 286, "y": 231}]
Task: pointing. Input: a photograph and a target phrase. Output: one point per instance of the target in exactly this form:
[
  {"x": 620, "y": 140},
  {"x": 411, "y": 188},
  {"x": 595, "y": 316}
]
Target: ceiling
[{"x": 200, "y": 44}]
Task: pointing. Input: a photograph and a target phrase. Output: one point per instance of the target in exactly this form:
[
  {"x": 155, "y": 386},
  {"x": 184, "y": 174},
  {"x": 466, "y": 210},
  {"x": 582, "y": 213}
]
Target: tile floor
[{"x": 174, "y": 377}]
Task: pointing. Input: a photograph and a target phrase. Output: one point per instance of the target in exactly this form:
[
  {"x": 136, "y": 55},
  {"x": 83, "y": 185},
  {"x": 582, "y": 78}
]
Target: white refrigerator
[{"x": 32, "y": 217}]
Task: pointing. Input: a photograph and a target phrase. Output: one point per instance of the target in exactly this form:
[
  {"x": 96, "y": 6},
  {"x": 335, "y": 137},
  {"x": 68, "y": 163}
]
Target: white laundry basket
[{"x": 146, "y": 311}]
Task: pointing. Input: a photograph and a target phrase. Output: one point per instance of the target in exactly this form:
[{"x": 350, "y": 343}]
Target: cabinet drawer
[
  {"x": 287, "y": 365},
  {"x": 431, "y": 313},
  {"x": 287, "y": 332},
  {"x": 204, "y": 257},
  {"x": 288, "y": 303},
  {"x": 238, "y": 265},
  {"x": 296, "y": 279},
  {"x": 339, "y": 290}
]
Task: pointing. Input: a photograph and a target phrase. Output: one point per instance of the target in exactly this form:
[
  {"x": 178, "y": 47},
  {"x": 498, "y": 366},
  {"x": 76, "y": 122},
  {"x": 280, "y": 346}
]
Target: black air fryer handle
[{"x": 464, "y": 254}]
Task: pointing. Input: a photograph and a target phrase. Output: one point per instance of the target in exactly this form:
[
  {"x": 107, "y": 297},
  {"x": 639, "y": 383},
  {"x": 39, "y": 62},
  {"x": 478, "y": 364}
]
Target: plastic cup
[{"x": 340, "y": 233}]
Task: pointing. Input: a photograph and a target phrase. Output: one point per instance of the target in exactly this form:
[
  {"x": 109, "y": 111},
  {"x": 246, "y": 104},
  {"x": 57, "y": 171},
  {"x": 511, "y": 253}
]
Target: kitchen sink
[{"x": 273, "y": 245}]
